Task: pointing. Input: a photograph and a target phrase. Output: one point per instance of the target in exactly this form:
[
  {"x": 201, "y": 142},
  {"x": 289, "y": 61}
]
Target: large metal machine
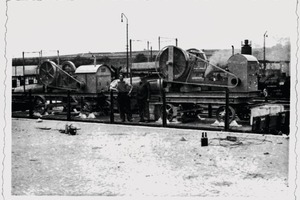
[
  {"x": 191, "y": 83},
  {"x": 178, "y": 66},
  {"x": 54, "y": 80},
  {"x": 85, "y": 78}
]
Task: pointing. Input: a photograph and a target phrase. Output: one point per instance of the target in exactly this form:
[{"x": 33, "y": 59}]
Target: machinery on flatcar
[
  {"x": 55, "y": 80},
  {"x": 191, "y": 83}
]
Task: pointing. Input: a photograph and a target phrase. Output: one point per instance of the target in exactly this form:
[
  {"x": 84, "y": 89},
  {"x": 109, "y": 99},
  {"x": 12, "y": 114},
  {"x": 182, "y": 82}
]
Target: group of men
[{"x": 124, "y": 91}]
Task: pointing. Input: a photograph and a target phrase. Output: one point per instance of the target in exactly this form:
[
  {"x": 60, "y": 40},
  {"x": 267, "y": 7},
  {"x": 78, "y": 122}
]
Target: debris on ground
[
  {"x": 217, "y": 123},
  {"x": 173, "y": 121},
  {"x": 78, "y": 166},
  {"x": 91, "y": 116},
  {"x": 231, "y": 138},
  {"x": 44, "y": 128},
  {"x": 39, "y": 120},
  {"x": 36, "y": 114},
  {"x": 222, "y": 124},
  {"x": 234, "y": 124},
  {"x": 82, "y": 116},
  {"x": 69, "y": 129},
  {"x": 201, "y": 118}
]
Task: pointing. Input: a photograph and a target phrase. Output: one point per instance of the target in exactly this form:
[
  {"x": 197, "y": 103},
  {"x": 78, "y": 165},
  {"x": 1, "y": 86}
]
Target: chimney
[{"x": 246, "y": 48}]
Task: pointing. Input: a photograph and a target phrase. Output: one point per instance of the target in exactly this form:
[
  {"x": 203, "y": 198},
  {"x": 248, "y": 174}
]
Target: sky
[{"x": 81, "y": 26}]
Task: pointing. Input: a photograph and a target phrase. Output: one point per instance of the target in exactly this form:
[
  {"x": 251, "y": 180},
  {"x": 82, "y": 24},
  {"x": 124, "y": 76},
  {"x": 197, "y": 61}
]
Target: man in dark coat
[{"x": 142, "y": 99}]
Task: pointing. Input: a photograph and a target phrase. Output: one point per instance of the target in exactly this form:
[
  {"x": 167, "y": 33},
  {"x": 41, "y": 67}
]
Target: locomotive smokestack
[{"x": 246, "y": 48}]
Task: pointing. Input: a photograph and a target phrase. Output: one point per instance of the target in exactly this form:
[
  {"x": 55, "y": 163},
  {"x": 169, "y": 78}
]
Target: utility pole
[
  {"x": 158, "y": 43},
  {"x": 130, "y": 42},
  {"x": 127, "y": 58},
  {"x": 265, "y": 64}
]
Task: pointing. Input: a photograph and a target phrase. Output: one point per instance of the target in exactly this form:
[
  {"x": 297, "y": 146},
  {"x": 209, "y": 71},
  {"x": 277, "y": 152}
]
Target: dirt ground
[{"x": 121, "y": 160}]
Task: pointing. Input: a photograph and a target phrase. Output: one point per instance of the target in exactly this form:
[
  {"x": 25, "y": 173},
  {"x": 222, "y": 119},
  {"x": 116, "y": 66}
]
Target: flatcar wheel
[
  {"x": 87, "y": 107},
  {"x": 39, "y": 105},
  {"x": 169, "y": 112},
  {"x": 220, "y": 114}
]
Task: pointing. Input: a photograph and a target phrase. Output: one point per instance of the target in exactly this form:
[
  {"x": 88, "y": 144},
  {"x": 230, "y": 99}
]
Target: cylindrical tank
[
  {"x": 156, "y": 85},
  {"x": 175, "y": 63}
]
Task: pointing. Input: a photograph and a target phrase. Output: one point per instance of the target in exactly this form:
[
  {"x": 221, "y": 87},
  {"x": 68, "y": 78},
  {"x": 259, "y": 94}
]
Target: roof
[
  {"x": 244, "y": 57},
  {"x": 250, "y": 57},
  {"x": 85, "y": 69}
]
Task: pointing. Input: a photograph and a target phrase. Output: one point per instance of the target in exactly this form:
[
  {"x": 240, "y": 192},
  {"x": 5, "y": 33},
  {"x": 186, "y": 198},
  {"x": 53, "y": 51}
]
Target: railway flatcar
[
  {"x": 186, "y": 79},
  {"x": 86, "y": 83}
]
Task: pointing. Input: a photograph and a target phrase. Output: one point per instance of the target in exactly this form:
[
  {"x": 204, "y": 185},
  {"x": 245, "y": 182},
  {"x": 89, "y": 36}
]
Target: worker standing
[
  {"x": 124, "y": 93},
  {"x": 142, "y": 100}
]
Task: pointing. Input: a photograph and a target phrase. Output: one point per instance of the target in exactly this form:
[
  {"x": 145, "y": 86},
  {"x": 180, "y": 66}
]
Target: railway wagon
[
  {"x": 86, "y": 83},
  {"x": 192, "y": 84}
]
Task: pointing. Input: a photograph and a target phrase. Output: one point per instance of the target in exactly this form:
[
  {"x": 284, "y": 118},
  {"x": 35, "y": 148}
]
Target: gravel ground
[{"x": 121, "y": 160}]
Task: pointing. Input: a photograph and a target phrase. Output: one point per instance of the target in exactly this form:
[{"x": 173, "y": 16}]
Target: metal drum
[
  {"x": 176, "y": 64},
  {"x": 48, "y": 73},
  {"x": 172, "y": 63}
]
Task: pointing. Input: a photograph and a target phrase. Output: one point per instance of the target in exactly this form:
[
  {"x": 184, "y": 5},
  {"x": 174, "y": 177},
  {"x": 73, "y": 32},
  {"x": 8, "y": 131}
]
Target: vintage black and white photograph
[{"x": 149, "y": 98}]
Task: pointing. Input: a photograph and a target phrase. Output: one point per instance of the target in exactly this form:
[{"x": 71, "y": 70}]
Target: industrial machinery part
[
  {"x": 59, "y": 77},
  {"x": 245, "y": 67},
  {"x": 190, "y": 68},
  {"x": 169, "y": 112},
  {"x": 220, "y": 114},
  {"x": 47, "y": 72},
  {"x": 39, "y": 105},
  {"x": 175, "y": 64},
  {"x": 189, "y": 80},
  {"x": 70, "y": 69},
  {"x": 172, "y": 63}
]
